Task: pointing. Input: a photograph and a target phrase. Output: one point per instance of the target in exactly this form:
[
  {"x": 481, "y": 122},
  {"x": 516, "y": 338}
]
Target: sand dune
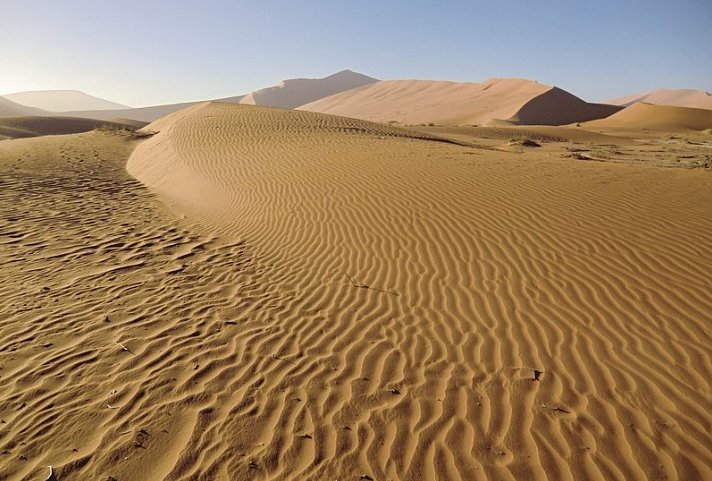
[
  {"x": 698, "y": 99},
  {"x": 348, "y": 300},
  {"x": 656, "y": 117},
  {"x": 420, "y": 286},
  {"x": 292, "y": 93},
  {"x": 63, "y": 100},
  {"x": 11, "y": 109},
  {"x": 287, "y": 94},
  {"x": 22, "y": 127},
  {"x": 423, "y": 101}
]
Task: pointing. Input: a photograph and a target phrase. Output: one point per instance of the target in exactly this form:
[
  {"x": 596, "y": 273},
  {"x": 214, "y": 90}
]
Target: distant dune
[
  {"x": 424, "y": 101},
  {"x": 9, "y": 108},
  {"x": 292, "y": 93},
  {"x": 656, "y": 117},
  {"x": 63, "y": 100},
  {"x": 288, "y": 94},
  {"x": 34, "y": 126},
  {"x": 698, "y": 99},
  {"x": 142, "y": 114}
]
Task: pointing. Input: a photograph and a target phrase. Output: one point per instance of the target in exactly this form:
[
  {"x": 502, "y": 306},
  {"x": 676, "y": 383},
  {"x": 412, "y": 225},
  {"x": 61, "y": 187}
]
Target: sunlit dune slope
[
  {"x": 424, "y": 101},
  {"x": 656, "y": 117},
  {"x": 698, "y": 99}
]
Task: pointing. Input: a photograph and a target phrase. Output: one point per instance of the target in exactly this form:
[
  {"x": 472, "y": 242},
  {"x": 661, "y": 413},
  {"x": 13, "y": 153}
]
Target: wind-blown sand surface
[{"x": 348, "y": 300}]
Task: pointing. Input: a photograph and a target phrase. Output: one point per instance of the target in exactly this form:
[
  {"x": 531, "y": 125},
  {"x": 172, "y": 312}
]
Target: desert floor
[{"x": 279, "y": 295}]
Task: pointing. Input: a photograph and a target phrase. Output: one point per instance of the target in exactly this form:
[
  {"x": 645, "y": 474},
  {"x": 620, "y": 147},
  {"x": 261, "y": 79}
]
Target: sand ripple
[{"x": 346, "y": 299}]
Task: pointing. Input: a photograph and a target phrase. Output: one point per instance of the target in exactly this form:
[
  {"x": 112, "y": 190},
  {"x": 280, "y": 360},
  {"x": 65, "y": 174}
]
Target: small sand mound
[{"x": 524, "y": 143}]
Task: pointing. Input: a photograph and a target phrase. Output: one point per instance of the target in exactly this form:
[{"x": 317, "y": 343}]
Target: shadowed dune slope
[
  {"x": 698, "y": 99},
  {"x": 416, "y": 286},
  {"x": 295, "y": 92},
  {"x": 656, "y": 117},
  {"x": 21, "y": 127},
  {"x": 425, "y": 101},
  {"x": 558, "y": 107}
]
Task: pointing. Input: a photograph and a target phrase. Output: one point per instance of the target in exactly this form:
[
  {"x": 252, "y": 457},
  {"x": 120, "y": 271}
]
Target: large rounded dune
[{"x": 425, "y": 101}]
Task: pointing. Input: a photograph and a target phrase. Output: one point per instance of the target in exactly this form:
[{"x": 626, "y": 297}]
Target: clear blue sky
[{"x": 150, "y": 52}]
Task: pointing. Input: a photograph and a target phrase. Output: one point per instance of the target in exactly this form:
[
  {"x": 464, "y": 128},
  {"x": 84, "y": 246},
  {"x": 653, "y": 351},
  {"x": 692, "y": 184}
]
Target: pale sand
[
  {"x": 426, "y": 101},
  {"x": 347, "y": 299},
  {"x": 698, "y": 99}
]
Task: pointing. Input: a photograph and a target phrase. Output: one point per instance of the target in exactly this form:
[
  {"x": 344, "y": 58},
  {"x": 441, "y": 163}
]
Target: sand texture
[
  {"x": 425, "y": 101},
  {"x": 698, "y": 99},
  {"x": 286, "y": 295}
]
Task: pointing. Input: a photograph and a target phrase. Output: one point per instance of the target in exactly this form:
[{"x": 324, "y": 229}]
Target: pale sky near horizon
[{"x": 154, "y": 52}]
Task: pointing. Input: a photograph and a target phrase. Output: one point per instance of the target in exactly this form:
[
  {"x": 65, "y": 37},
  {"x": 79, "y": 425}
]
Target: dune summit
[
  {"x": 424, "y": 101},
  {"x": 292, "y": 93}
]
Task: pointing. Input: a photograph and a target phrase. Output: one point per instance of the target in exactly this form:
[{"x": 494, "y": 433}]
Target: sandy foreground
[{"x": 276, "y": 295}]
